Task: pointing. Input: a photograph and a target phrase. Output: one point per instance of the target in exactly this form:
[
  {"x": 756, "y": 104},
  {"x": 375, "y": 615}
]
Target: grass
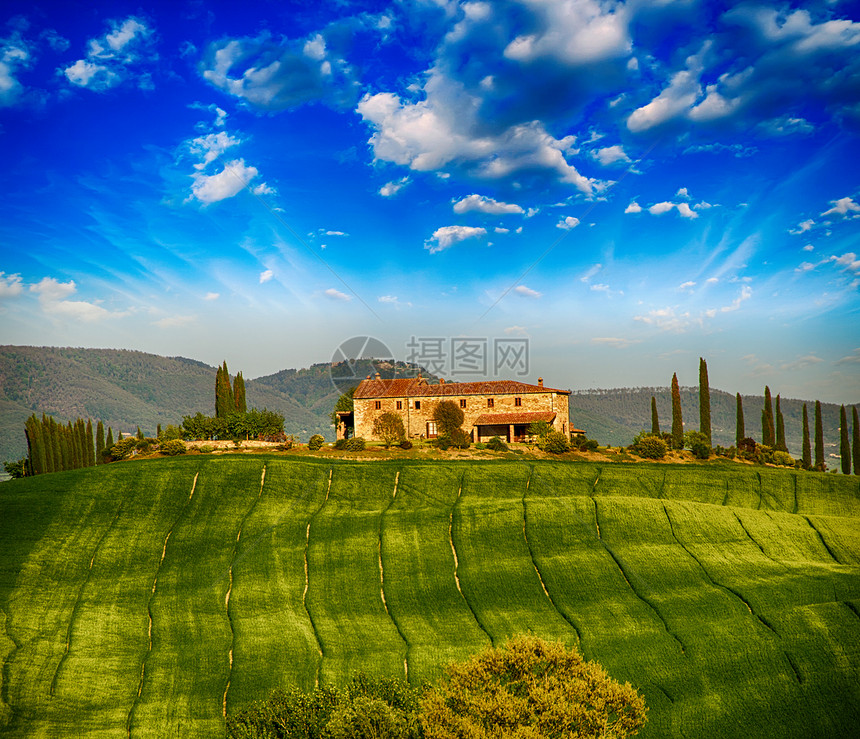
[{"x": 131, "y": 607}]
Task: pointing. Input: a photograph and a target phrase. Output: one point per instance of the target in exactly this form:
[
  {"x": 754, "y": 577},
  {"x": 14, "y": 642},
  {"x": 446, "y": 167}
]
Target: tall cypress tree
[
  {"x": 780, "y": 429},
  {"x": 844, "y": 445},
  {"x": 54, "y": 437},
  {"x": 807, "y": 449},
  {"x": 224, "y": 403},
  {"x": 855, "y": 441},
  {"x": 740, "y": 430},
  {"x": 239, "y": 393},
  {"x": 35, "y": 445},
  {"x": 91, "y": 452},
  {"x": 677, "y": 420},
  {"x": 655, "y": 422},
  {"x": 819, "y": 439},
  {"x": 50, "y": 462},
  {"x": 767, "y": 433},
  {"x": 100, "y": 442},
  {"x": 704, "y": 401}
]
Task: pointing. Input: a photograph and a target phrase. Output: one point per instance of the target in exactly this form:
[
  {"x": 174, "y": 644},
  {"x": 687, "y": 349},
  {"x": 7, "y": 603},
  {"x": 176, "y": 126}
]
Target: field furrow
[
  {"x": 420, "y": 584},
  {"x": 343, "y": 596}
]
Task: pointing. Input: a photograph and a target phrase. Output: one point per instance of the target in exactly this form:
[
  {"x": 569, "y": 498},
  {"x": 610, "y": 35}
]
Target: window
[
  {"x": 462, "y": 402},
  {"x": 518, "y": 402},
  {"x": 377, "y": 404},
  {"x": 417, "y": 405},
  {"x": 400, "y": 405},
  {"x": 490, "y": 403}
]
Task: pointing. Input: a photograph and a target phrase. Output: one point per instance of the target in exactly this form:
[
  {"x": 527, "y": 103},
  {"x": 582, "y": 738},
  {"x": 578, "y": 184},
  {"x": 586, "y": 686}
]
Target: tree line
[
  {"x": 54, "y": 447},
  {"x": 773, "y": 447}
]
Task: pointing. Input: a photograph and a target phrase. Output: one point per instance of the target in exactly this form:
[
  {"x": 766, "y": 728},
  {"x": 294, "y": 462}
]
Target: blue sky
[{"x": 629, "y": 186}]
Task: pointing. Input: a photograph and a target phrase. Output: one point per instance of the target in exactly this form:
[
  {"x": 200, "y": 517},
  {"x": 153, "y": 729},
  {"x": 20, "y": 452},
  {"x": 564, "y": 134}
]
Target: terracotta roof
[
  {"x": 506, "y": 419},
  {"x": 414, "y": 388}
]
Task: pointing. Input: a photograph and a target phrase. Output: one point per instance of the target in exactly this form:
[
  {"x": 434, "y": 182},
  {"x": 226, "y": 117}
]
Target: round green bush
[
  {"x": 588, "y": 445},
  {"x": 316, "y": 442},
  {"x": 340, "y": 444},
  {"x": 556, "y": 443},
  {"x": 651, "y": 447},
  {"x": 355, "y": 444},
  {"x": 460, "y": 439},
  {"x": 497, "y": 445},
  {"x": 205, "y": 449},
  {"x": 173, "y": 447}
]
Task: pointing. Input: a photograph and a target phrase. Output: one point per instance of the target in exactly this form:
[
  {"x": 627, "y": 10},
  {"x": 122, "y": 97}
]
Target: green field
[{"x": 147, "y": 599}]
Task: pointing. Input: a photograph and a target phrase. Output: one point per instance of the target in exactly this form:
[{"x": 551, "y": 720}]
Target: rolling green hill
[{"x": 149, "y": 598}]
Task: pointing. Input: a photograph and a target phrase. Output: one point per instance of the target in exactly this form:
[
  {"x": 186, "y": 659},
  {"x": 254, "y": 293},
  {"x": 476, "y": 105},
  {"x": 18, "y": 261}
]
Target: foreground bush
[
  {"x": 355, "y": 444},
  {"x": 649, "y": 446},
  {"x": 315, "y": 442},
  {"x": 555, "y": 442},
  {"x": 172, "y": 448},
  {"x": 497, "y": 445}
]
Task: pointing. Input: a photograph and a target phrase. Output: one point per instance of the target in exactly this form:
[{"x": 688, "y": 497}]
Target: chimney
[
  {"x": 368, "y": 377},
  {"x": 377, "y": 375},
  {"x": 540, "y": 381},
  {"x": 441, "y": 380}
]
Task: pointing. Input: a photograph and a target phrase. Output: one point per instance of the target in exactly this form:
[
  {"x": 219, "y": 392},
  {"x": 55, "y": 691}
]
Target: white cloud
[
  {"x": 393, "y": 300},
  {"x": 110, "y": 58},
  {"x": 853, "y": 358},
  {"x": 712, "y": 280},
  {"x": 14, "y": 56},
  {"x": 526, "y": 292},
  {"x": 683, "y": 193},
  {"x": 683, "y": 209},
  {"x": 848, "y": 260},
  {"x": 676, "y": 98},
  {"x": 485, "y": 205},
  {"x": 266, "y": 275},
  {"x": 659, "y": 208},
  {"x": 802, "y": 227},
  {"x": 568, "y": 223},
  {"x": 610, "y": 155},
  {"x": 516, "y": 330},
  {"x": 633, "y": 208},
  {"x": 501, "y": 230},
  {"x": 230, "y": 181},
  {"x": 667, "y": 319},
  {"x": 593, "y": 270},
  {"x": 802, "y": 362},
  {"x": 175, "y": 321},
  {"x": 842, "y": 207},
  {"x": 613, "y": 341},
  {"x": 336, "y": 233},
  {"x": 746, "y": 294},
  {"x": 52, "y": 298},
  {"x": 337, "y": 295},
  {"x": 686, "y": 285},
  {"x": 447, "y": 236},
  {"x": 212, "y": 296},
  {"x": 808, "y": 247},
  {"x": 805, "y": 267},
  {"x": 211, "y": 146},
  {"x": 11, "y": 286},
  {"x": 391, "y": 188}
]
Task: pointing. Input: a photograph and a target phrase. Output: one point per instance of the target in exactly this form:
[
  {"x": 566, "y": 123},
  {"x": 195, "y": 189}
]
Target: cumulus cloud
[
  {"x": 393, "y": 187},
  {"x": 211, "y": 146},
  {"x": 684, "y": 210},
  {"x": 114, "y": 57},
  {"x": 393, "y": 300},
  {"x": 15, "y": 56},
  {"x": 275, "y": 74},
  {"x": 610, "y": 155},
  {"x": 266, "y": 275},
  {"x": 11, "y": 286},
  {"x": 526, "y": 292},
  {"x": 446, "y": 236},
  {"x": 848, "y": 260},
  {"x": 567, "y": 223},
  {"x": 211, "y": 296},
  {"x": 633, "y": 208},
  {"x": 230, "y": 181},
  {"x": 485, "y": 205},
  {"x": 842, "y": 207},
  {"x": 337, "y": 295},
  {"x": 802, "y": 227},
  {"x": 53, "y": 300}
]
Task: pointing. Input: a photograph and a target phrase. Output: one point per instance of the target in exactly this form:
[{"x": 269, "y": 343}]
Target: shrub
[
  {"x": 746, "y": 448},
  {"x": 443, "y": 443},
  {"x": 480, "y": 445},
  {"x": 697, "y": 443},
  {"x": 588, "y": 445},
  {"x": 650, "y": 447},
  {"x": 783, "y": 459},
  {"x": 316, "y": 442},
  {"x": 340, "y": 444},
  {"x": 406, "y": 444},
  {"x": 460, "y": 439},
  {"x": 205, "y": 449},
  {"x": 124, "y": 448},
  {"x": 497, "y": 445},
  {"x": 389, "y": 428},
  {"x": 556, "y": 442},
  {"x": 448, "y": 417},
  {"x": 354, "y": 444},
  {"x": 173, "y": 447}
]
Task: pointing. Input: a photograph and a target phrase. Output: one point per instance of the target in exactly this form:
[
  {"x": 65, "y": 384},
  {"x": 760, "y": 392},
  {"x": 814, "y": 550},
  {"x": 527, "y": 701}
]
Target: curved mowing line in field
[
  {"x": 457, "y": 562},
  {"x": 149, "y": 606},
  {"x": 537, "y": 569},
  {"x": 627, "y": 580},
  {"x": 382, "y": 581},
  {"x": 307, "y": 580},
  {"x": 78, "y": 599},
  {"x": 821, "y": 538},
  {"x": 753, "y": 540},
  {"x": 230, "y": 589}
]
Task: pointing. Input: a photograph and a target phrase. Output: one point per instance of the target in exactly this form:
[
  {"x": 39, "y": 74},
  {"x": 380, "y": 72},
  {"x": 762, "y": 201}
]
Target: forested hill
[{"x": 127, "y": 389}]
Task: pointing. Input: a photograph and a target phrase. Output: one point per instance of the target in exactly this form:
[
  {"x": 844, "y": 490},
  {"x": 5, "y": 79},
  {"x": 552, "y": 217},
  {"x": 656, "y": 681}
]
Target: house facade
[{"x": 503, "y": 408}]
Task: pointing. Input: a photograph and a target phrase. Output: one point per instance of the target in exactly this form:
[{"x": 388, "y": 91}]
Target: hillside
[
  {"x": 127, "y": 389},
  {"x": 150, "y": 598}
]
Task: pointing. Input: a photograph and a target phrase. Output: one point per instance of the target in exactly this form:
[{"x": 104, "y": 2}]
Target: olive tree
[
  {"x": 389, "y": 428},
  {"x": 448, "y": 417}
]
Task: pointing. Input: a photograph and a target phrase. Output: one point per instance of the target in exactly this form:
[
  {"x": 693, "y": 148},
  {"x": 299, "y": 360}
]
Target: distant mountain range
[{"x": 127, "y": 389}]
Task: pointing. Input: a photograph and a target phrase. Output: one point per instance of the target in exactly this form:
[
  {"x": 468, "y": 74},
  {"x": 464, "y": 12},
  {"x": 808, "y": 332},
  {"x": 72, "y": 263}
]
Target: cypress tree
[
  {"x": 844, "y": 445},
  {"x": 704, "y": 401},
  {"x": 139, "y": 433},
  {"x": 740, "y": 432},
  {"x": 35, "y": 447},
  {"x": 239, "y": 393},
  {"x": 54, "y": 436},
  {"x": 819, "y": 439},
  {"x": 855, "y": 441},
  {"x": 50, "y": 462},
  {"x": 158, "y": 431},
  {"x": 224, "y": 403},
  {"x": 109, "y": 440},
  {"x": 655, "y": 422},
  {"x": 100, "y": 442},
  {"x": 780, "y": 429},
  {"x": 677, "y": 420},
  {"x": 807, "y": 449},
  {"x": 767, "y": 433},
  {"x": 74, "y": 446},
  {"x": 90, "y": 448}
]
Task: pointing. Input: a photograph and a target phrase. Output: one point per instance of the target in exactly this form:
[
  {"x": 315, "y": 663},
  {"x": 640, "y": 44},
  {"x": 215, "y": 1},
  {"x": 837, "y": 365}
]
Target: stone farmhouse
[{"x": 503, "y": 408}]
